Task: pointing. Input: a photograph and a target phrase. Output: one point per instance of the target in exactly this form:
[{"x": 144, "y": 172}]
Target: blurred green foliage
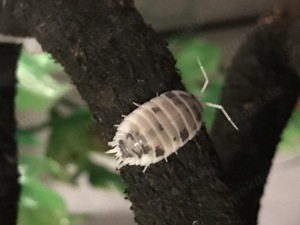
[
  {"x": 186, "y": 53},
  {"x": 71, "y": 141},
  {"x": 37, "y": 90},
  {"x": 28, "y": 138},
  {"x": 39, "y": 204},
  {"x": 72, "y": 138},
  {"x": 291, "y": 135}
]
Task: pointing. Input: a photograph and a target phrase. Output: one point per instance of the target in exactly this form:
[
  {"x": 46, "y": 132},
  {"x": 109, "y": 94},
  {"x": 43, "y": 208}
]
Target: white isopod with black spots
[{"x": 159, "y": 127}]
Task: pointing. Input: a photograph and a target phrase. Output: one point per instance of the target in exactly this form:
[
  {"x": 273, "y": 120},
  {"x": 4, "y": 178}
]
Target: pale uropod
[{"x": 159, "y": 127}]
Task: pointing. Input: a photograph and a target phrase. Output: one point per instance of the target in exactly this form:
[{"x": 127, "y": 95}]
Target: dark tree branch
[
  {"x": 260, "y": 92},
  {"x": 9, "y": 186},
  {"x": 12, "y": 26},
  {"x": 212, "y": 26},
  {"x": 186, "y": 190}
]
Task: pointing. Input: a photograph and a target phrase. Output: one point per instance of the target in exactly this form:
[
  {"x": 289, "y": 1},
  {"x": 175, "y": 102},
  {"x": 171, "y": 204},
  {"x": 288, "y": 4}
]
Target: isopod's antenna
[
  {"x": 205, "y": 77},
  {"x": 224, "y": 112},
  {"x": 212, "y": 104}
]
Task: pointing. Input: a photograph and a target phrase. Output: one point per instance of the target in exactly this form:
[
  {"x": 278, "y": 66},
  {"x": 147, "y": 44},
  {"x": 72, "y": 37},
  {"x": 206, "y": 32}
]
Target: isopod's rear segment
[{"x": 157, "y": 128}]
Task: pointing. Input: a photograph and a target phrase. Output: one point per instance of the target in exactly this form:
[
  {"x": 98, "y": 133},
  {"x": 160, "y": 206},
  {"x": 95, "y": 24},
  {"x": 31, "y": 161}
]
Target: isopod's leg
[
  {"x": 136, "y": 104},
  {"x": 166, "y": 159},
  {"x": 112, "y": 143},
  {"x": 205, "y": 77},
  {"x": 111, "y": 151},
  {"x": 224, "y": 112},
  {"x": 120, "y": 164},
  {"x": 145, "y": 168}
]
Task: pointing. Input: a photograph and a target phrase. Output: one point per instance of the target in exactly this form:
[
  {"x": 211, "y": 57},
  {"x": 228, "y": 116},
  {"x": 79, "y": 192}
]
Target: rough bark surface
[
  {"x": 9, "y": 187},
  {"x": 261, "y": 91},
  {"x": 114, "y": 59}
]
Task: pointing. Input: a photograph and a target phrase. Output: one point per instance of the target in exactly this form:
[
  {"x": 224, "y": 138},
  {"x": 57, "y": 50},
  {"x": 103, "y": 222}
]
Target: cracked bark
[{"x": 114, "y": 59}]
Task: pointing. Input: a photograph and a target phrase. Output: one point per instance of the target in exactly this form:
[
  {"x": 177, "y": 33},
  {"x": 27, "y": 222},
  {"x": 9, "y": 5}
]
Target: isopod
[{"x": 159, "y": 127}]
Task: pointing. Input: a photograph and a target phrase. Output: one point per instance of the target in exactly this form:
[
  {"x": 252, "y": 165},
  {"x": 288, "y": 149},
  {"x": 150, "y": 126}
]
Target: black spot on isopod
[
  {"x": 138, "y": 153},
  {"x": 123, "y": 149},
  {"x": 174, "y": 138},
  {"x": 151, "y": 132},
  {"x": 129, "y": 136},
  {"x": 174, "y": 99},
  {"x": 186, "y": 97},
  {"x": 192, "y": 102},
  {"x": 183, "y": 95},
  {"x": 155, "y": 109},
  {"x": 159, "y": 151},
  {"x": 136, "y": 133},
  {"x": 178, "y": 102},
  {"x": 146, "y": 149},
  {"x": 184, "y": 134},
  {"x": 198, "y": 118},
  {"x": 170, "y": 95},
  {"x": 195, "y": 109},
  {"x": 160, "y": 127}
]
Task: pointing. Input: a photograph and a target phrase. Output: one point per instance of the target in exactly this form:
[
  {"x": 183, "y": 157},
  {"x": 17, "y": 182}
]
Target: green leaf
[
  {"x": 39, "y": 63},
  {"x": 69, "y": 141},
  {"x": 77, "y": 219},
  {"x": 28, "y": 138},
  {"x": 186, "y": 57},
  {"x": 41, "y": 205},
  {"x": 32, "y": 166},
  {"x": 37, "y": 90},
  {"x": 102, "y": 177},
  {"x": 291, "y": 134}
]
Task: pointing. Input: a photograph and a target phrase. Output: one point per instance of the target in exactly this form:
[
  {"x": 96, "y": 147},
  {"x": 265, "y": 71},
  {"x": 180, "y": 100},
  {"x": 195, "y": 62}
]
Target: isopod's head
[{"x": 130, "y": 147}]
